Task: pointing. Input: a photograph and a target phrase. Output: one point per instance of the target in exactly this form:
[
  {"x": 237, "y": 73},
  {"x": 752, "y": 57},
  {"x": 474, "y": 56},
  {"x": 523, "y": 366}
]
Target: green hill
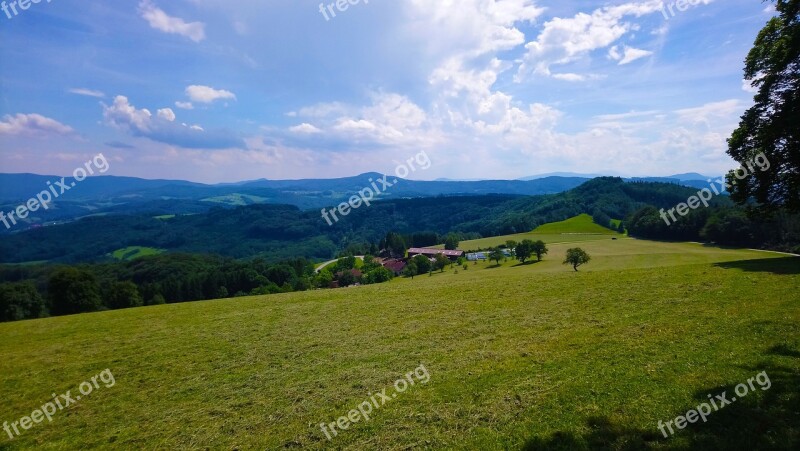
[
  {"x": 581, "y": 224},
  {"x": 519, "y": 357}
]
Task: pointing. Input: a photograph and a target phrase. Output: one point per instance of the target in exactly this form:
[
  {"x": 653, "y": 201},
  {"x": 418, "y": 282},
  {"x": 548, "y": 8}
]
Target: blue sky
[{"x": 223, "y": 91}]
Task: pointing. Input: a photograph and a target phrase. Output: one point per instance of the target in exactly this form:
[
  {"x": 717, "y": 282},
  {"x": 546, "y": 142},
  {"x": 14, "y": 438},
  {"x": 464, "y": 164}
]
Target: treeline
[
  {"x": 45, "y": 290},
  {"x": 734, "y": 226},
  {"x": 277, "y": 233}
]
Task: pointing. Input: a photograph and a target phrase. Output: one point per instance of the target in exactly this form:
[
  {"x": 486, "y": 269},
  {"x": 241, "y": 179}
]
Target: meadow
[
  {"x": 573, "y": 230},
  {"x": 531, "y": 356}
]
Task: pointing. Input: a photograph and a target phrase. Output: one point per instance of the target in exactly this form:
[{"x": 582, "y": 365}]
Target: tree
[
  {"x": 73, "y": 291},
  {"x": 395, "y": 244},
  {"x": 323, "y": 279},
  {"x": 512, "y": 246},
  {"x": 497, "y": 255},
  {"x": 441, "y": 262},
  {"x": 621, "y": 228},
  {"x": 540, "y": 249},
  {"x": 410, "y": 270},
  {"x": 451, "y": 242},
  {"x": 422, "y": 263},
  {"x": 600, "y": 218},
  {"x": 577, "y": 257},
  {"x": 20, "y": 301},
  {"x": 347, "y": 278},
  {"x": 769, "y": 129},
  {"x": 157, "y": 300},
  {"x": 124, "y": 295},
  {"x": 524, "y": 250},
  {"x": 377, "y": 275}
]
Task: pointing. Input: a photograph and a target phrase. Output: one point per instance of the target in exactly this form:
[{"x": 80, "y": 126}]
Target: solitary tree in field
[
  {"x": 540, "y": 249},
  {"x": 772, "y": 125},
  {"x": 577, "y": 257}
]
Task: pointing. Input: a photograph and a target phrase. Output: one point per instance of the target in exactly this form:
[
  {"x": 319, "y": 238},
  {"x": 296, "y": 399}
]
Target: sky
[{"x": 230, "y": 90}]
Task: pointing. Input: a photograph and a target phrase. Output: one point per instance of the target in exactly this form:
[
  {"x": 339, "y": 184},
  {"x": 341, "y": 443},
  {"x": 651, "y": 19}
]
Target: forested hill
[{"x": 279, "y": 232}]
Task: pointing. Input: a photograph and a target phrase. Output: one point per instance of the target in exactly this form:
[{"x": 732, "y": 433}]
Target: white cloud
[
  {"x": 32, "y": 125},
  {"x": 206, "y": 94},
  {"x": 564, "y": 41},
  {"x": 305, "y": 128},
  {"x": 747, "y": 86},
  {"x": 184, "y": 105},
  {"x": 162, "y": 128},
  {"x": 628, "y": 55},
  {"x": 166, "y": 114},
  {"x": 87, "y": 92},
  {"x": 159, "y": 20}
]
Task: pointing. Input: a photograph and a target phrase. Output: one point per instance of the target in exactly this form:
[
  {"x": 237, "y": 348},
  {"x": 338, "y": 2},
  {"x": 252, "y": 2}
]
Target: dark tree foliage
[
  {"x": 20, "y": 301},
  {"x": 123, "y": 295},
  {"x": 73, "y": 291},
  {"x": 772, "y": 125}
]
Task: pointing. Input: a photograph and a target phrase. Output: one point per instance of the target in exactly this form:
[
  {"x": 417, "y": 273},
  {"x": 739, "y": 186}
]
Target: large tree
[
  {"x": 772, "y": 126},
  {"x": 540, "y": 249},
  {"x": 73, "y": 291}
]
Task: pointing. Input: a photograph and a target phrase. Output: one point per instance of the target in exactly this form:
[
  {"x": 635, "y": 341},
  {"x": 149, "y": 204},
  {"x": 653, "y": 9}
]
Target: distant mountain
[
  {"x": 279, "y": 232},
  {"x": 689, "y": 176},
  {"x": 101, "y": 195},
  {"x": 563, "y": 174}
]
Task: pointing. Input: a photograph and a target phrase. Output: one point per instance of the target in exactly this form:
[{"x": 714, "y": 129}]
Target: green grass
[
  {"x": 582, "y": 224},
  {"x": 520, "y": 357},
  {"x": 574, "y": 230},
  {"x": 134, "y": 252}
]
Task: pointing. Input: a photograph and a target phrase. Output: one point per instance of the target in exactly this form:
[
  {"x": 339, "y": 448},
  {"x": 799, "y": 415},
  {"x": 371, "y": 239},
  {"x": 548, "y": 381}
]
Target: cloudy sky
[{"x": 230, "y": 90}]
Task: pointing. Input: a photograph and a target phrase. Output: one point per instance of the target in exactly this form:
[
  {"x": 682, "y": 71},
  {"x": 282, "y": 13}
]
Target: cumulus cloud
[
  {"x": 167, "y": 114},
  {"x": 32, "y": 125},
  {"x": 184, "y": 105},
  {"x": 391, "y": 120},
  {"x": 206, "y": 94},
  {"x": 158, "y": 19},
  {"x": 567, "y": 40},
  {"x": 162, "y": 128}
]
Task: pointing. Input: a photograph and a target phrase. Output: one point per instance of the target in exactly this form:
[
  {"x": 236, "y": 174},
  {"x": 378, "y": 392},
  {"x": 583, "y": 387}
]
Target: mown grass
[{"x": 520, "y": 357}]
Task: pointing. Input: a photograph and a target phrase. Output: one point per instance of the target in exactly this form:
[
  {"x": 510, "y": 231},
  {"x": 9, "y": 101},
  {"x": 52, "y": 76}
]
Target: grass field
[
  {"x": 574, "y": 230},
  {"x": 134, "y": 252},
  {"x": 520, "y": 357}
]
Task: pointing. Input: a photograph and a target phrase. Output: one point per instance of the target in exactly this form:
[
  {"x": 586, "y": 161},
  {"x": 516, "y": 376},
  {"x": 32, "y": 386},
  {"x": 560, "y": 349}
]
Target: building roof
[
  {"x": 428, "y": 251},
  {"x": 394, "y": 265}
]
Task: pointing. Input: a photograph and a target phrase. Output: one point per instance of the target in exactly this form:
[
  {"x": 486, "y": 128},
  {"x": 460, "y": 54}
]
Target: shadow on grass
[
  {"x": 763, "y": 420},
  {"x": 783, "y": 265},
  {"x": 527, "y": 263}
]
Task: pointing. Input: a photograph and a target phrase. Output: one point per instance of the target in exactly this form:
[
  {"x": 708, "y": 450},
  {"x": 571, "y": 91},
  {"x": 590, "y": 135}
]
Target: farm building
[
  {"x": 431, "y": 253},
  {"x": 396, "y": 266}
]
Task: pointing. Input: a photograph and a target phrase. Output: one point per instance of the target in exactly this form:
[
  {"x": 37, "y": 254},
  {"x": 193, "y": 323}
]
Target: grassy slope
[
  {"x": 579, "y": 224},
  {"x": 533, "y": 355},
  {"x": 574, "y": 230}
]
